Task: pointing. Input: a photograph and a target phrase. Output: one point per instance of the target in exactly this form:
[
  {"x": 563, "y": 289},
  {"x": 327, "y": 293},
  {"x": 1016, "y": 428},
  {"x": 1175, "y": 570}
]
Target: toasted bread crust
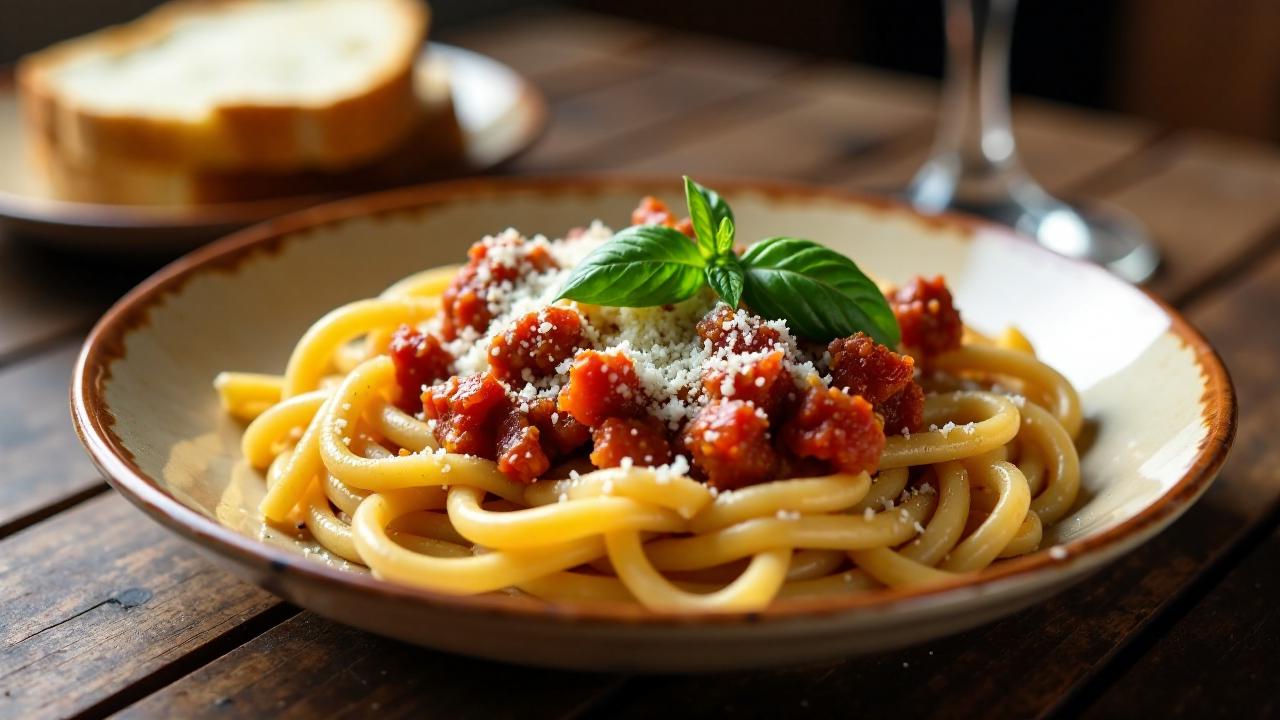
[
  {"x": 433, "y": 149},
  {"x": 264, "y": 137}
]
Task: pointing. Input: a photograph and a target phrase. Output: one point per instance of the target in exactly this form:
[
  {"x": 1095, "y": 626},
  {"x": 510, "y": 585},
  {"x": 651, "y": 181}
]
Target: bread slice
[
  {"x": 434, "y": 148},
  {"x": 232, "y": 86}
]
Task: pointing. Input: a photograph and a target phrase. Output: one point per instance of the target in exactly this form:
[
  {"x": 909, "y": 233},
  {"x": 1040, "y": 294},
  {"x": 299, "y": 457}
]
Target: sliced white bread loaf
[
  {"x": 233, "y": 85},
  {"x": 434, "y": 148}
]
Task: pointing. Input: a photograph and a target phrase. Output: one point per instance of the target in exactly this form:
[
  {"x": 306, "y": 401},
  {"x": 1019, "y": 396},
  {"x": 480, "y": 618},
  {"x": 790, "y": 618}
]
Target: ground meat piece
[
  {"x": 904, "y": 410},
  {"x": 560, "y": 433},
  {"x": 465, "y": 413},
  {"x": 535, "y": 344},
  {"x": 643, "y": 440},
  {"x": 793, "y": 466},
  {"x": 862, "y": 366},
  {"x": 929, "y": 320},
  {"x": 835, "y": 426},
  {"x": 730, "y": 444},
  {"x": 652, "y": 211},
  {"x": 601, "y": 385},
  {"x": 519, "y": 447},
  {"x": 764, "y": 383},
  {"x": 740, "y": 331},
  {"x": 419, "y": 360},
  {"x": 465, "y": 303}
]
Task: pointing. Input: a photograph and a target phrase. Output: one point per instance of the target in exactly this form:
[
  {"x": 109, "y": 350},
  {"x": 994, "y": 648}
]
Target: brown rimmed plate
[
  {"x": 500, "y": 112},
  {"x": 1156, "y": 394}
]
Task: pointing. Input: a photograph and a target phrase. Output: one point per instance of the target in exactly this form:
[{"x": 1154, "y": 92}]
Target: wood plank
[
  {"x": 41, "y": 461},
  {"x": 1207, "y": 201},
  {"x": 1217, "y": 661},
  {"x": 873, "y": 130},
  {"x": 562, "y": 52},
  {"x": 98, "y": 599},
  {"x": 819, "y": 118},
  {"x": 1060, "y": 146},
  {"x": 1029, "y": 663},
  {"x": 595, "y": 130},
  {"x": 310, "y": 667},
  {"x": 1061, "y": 629},
  {"x": 1208, "y": 204},
  {"x": 45, "y": 295},
  {"x": 535, "y": 39}
]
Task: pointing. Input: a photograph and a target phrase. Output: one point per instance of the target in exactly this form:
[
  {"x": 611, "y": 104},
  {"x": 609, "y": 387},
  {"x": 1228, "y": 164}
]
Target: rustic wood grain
[
  {"x": 77, "y": 639},
  {"x": 1059, "y": 146},
  {"x": 538, "y": 40},
  {"x": 1209, "y": 201},
  {"x": 1028, "y": 664},
  {"x": 562, "y": 52},
  {"x": 819, "y": 118},
  {"x": 45, "y": 295},
  {"x": 98, "y": 599},
  {"x": 1217, "y": 661},
  {"x": 595, "y": 129},
  {"x": 873, "y": 130},
  {"x": 311, "y": 667},
  {"x": 41, "y": 461}
]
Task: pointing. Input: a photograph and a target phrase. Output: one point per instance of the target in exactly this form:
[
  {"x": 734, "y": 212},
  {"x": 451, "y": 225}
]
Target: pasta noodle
[{"x": 373, "y": 485}]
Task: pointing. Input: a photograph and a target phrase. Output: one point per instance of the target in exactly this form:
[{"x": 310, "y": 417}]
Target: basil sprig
[
  {"x": 709, "y": 213},
  {"x": 820, "y": 293}
]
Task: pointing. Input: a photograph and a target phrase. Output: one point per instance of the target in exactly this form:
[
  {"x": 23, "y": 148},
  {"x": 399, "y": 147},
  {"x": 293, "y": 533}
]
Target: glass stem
[
  {"x": 974, "y": 159},
  {"x": 974, "y": 165}
]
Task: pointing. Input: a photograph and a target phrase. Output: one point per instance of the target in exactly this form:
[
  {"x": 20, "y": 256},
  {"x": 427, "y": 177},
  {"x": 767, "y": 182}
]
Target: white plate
[{"x": 501, "y": 114}]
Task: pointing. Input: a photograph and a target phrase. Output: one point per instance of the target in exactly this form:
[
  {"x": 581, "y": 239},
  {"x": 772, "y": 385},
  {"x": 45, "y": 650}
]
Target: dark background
[{"x": 1187, "y": 63}]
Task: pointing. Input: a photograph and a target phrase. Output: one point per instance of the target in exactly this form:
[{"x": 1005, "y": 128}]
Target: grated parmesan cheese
[{"x": 669, "y": 357}]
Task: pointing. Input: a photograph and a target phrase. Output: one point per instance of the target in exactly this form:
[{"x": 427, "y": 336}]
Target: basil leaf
[
  {"x": 724, "y": 237},
  {"x": 726, "y": 279},
  {"x": 706, "y": 212},
  {"x": 819, "y": 292},
  {"x": 641, "y": 266}
]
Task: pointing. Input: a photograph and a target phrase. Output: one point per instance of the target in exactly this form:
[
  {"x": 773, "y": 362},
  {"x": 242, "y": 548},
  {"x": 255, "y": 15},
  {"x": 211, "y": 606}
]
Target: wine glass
[{"x": 974, "y": 162}]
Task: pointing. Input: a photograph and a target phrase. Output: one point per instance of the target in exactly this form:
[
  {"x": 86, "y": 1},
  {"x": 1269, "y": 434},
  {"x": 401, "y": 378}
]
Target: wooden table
[{"x": 102, "y": 611}]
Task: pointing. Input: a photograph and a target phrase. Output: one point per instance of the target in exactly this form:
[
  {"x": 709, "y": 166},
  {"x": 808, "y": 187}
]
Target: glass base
[{"x": 1106, "y": 236}]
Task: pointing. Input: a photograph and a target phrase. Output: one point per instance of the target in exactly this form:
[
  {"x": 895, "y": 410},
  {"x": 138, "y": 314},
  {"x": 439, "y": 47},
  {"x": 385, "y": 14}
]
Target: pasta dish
[{"x": 661, "y": 416}]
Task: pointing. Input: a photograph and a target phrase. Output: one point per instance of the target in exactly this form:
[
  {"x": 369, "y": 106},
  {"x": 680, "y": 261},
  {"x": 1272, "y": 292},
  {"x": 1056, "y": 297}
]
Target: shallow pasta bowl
[{"x": 1155, "y": 393}]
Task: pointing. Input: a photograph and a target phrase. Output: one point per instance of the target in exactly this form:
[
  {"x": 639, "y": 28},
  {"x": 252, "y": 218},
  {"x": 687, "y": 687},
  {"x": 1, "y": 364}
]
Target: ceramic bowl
[{"x": 1157, "y": 397}]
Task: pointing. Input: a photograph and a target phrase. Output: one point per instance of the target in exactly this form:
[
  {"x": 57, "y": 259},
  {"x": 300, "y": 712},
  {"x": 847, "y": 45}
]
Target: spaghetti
[{"x": 464, "y": 433}]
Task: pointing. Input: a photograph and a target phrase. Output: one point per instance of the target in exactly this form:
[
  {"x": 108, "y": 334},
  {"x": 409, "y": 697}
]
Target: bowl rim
[{"x": 105, "y": 345}]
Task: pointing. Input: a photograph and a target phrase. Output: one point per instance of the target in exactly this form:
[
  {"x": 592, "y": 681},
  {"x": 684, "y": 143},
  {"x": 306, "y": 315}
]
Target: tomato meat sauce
[
  {"x": 602, "y": 385},
  {"x": 861, "y": 366},
  {"x": 755, "y": 409},
  {"x": 927, "y": 316},
  {"x": 738, "y": 331},
  {"x": 652, "y": 211},
  {"x": 764, "y": 383},
  {"x": 730, "y": 443},
  {"x": 835, "y": 426},
  {"x": 463, "y": 413},
  {"x": 490, "y": 264},
  {"x": 519, "y": 450},
  {"x": 536, "y": 344},
  {"x": 420, "y": 360},
  {"x": 630, "y": 441}
]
